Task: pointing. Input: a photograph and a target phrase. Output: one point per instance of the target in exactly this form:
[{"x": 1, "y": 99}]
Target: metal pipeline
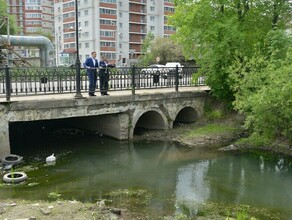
[{"x": 43, "y": 43}]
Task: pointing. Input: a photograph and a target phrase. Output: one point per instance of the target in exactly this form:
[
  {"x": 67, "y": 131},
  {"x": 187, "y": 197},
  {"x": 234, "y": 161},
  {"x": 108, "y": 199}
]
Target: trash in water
[{"x": 51, "y": 160}]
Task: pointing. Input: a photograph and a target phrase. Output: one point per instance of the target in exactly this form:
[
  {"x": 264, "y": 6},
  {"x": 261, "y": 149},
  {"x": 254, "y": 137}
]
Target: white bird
[{"x": 51, "y": 159}]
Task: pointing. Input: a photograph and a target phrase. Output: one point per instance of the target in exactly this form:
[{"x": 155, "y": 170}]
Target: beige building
[{"x": 113, "y": 28}]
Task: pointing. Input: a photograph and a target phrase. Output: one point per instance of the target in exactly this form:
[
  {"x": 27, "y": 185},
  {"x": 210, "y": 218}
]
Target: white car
[
  {"x": 170, "y": 68},
  {"x": 156, "y": 69}
]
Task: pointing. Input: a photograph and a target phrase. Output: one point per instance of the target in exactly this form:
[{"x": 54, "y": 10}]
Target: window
[
  {"x": 86, "y": 23},
  {"x": 69, "y": 25},
  {"x": 152, "y": 28},
  {"x": 107, "y": 22},
  {"x": 71, "y": 45},
  {"x": 107, "y": 44},
  {"x": 110, "y": 56},
  {"x": 85, "y": 12},
  {"x": 69, "y": 4},
  {"x": 152, "y": 18},
  {"x": 33, "y": 7},
  {"x": 109, "y": 1},
  {"x": 31, "y": 29},
  {"x": 87, "y": 45},
  {"x": 152, "y": 8},
  {"x": 33, "y": 15},
  {"x": 69, "y": 15},
  {"x": 107, "y": 11},
  {"x": 169, "y": 28},
  {"x": 107, "y": 33},
  {"x": 169, "y": 9},
  {"x": 69, "y": 35}
]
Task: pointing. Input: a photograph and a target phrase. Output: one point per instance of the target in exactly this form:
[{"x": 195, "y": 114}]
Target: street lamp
[
  {"x": 114, "y": 23},
  {"x": 77, "y": 63},
  {"x": 57, "y": 44}
]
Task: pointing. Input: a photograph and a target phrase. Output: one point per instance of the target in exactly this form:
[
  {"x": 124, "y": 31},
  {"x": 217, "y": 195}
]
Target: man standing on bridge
[
  {"x": 91, "y": 65},
  {"x": 104, "y": 75}
]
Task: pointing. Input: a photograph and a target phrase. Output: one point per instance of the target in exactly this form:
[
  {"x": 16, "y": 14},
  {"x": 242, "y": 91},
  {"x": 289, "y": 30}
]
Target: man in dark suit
[
  {"x": 104, "y": 75},
  {"x": 91, "y": 65}
]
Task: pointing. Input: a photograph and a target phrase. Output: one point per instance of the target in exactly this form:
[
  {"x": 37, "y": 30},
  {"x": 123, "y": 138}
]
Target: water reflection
[
  {"x": 192, "y": 187},
  {"x": 89, "y": 168}
]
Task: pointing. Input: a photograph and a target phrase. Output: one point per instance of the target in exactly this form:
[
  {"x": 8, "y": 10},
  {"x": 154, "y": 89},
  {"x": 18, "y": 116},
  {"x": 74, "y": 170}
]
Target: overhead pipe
[{"x": 43, "y": 43}]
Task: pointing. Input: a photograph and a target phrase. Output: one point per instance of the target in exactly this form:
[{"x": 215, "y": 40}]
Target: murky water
[{"x": 89, "y": 168}]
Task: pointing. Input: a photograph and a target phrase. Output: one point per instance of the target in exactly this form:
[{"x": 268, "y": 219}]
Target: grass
[
  {"x": 211, "y": 129},
  {"x": 255, "y": 140}
]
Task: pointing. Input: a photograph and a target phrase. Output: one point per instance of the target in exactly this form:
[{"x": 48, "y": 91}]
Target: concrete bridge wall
[{"x": 114, "y": 116}]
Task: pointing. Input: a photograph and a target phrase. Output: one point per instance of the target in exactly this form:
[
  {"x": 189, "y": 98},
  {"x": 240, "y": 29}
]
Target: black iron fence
[{"x": 60, "y": 80}]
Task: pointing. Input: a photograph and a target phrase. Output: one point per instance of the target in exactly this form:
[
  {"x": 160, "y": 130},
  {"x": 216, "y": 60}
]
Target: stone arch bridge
[{"x": 115, "y": 116}]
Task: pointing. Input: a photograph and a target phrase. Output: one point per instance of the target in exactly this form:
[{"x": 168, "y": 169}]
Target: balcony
[
  {"x": 142, "y": 2},
  {"x": 138, "y": 20}
]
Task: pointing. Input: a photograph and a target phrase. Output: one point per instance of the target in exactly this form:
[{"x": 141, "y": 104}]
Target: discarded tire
[
  {"x": 11, "y": 159},
  {"x": 15, "y": 177}
]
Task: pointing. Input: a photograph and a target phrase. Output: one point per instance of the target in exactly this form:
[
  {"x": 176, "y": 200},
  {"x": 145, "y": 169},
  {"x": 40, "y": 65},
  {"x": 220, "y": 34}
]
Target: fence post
[
  {"x": 176, "y": 78},
  {"x": 7, "y": 83},
  {"x": 133, "y": 79}
]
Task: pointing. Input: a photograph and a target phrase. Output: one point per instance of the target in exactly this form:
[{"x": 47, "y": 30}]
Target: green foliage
[
  {"x": 241, "y": 215},
  {"x": 217, "y": 32},
  {"x": 3, "y": 14},
  {"x": 136, "y": 197},
  {"x": 245, "y": 54},
  {"x": 164, "y": 48},
  {"x": 255, "y": 140},
  {"x": 215, "y": 114},
  {"x": 211, "y": 129},
  {"x": 263, "y": 88},
  {"x": 54, "y": 195}
]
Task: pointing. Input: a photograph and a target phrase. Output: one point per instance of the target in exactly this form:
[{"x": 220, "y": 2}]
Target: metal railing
[{"x": 59, "y": 80}]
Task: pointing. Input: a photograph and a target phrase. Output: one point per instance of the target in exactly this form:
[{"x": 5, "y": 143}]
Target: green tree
[
  {"x": 3, "y": 15},
  {"x": 216, "y": 32},
  {"x": 164, "y": 48},
  {"x": 245, "y": 51},
  {"x": 263, "y": 87},
  {"x": 148, "y": 57}
]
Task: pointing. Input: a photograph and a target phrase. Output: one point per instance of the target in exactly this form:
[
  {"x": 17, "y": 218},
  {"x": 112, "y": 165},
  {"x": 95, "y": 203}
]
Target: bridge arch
[
  {"x": 148, "y": 119},
  {"x": 187, "y": 114}
]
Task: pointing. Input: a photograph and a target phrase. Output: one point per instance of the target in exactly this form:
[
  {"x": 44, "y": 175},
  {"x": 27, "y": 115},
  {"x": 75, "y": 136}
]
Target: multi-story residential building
[
  {"x": 33, "y": 17},
  {"x": 113, "y": 28}
]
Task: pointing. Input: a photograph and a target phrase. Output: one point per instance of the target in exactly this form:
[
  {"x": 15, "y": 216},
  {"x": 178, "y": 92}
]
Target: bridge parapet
[{"x": 115, "y": 116}]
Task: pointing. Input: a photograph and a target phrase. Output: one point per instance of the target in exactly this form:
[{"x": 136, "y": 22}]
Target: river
[{"x": 160, "y": 178}]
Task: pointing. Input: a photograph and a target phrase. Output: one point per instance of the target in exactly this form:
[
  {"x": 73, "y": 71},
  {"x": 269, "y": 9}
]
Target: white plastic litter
[{"x": 51, "y": 159}]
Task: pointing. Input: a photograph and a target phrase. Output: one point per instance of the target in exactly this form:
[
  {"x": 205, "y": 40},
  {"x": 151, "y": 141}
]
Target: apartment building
[
  {"x": 113, "y": 28},
  {"x": 33, "y": 17}
]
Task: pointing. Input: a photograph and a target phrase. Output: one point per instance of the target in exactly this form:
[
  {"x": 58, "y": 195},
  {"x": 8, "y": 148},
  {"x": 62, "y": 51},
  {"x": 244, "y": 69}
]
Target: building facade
[
  {"x": 33, "y": 17},
  {"x": 113, "y": 28}
]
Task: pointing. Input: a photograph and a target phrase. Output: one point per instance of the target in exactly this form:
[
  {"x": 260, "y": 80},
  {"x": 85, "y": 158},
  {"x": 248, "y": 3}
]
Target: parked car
[
  {"x": 170, "y": 69},
  {"x": 156, "y": 69}
]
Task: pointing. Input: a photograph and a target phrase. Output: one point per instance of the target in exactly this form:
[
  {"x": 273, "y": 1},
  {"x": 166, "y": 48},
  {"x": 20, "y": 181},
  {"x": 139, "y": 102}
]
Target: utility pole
[
  {"x": 9, "y": 54},
  {"x": 77, "y": 63}
]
